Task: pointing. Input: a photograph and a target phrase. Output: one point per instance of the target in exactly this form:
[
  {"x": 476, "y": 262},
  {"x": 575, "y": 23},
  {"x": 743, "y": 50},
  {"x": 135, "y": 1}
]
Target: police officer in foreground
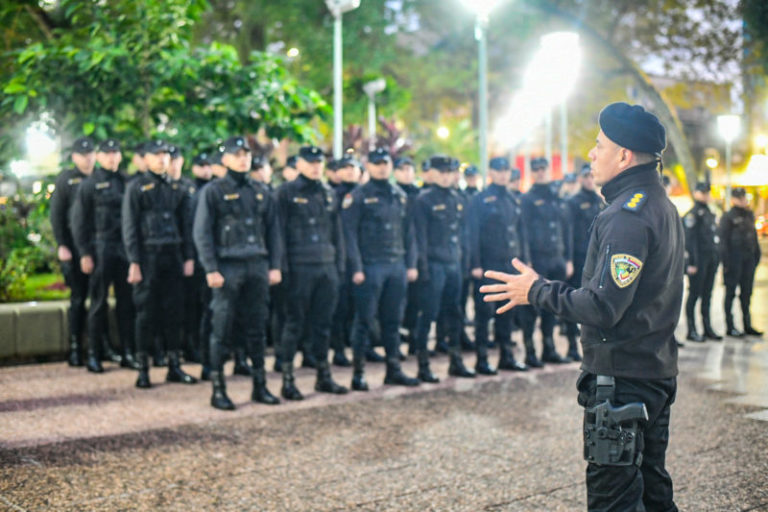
[
  {"x": 583, "y": 207},
  {"x": 62, "y": 200},
  {"x": 740, "y": 253},
  {"x": 237, "y": 236},
  {"x": 97, "y": 233},
  {"x": 496, "y": 236},
  {"x": 628, "y": 305},
  {"x": 314, "y": 260},
  {"x": 158, "y": 244},
  {"x": 405, "y": 174},
  {"x": 439, "y": 217},
  {"x": 702, "y": 251},
  {"x": 381, "y": 255}
]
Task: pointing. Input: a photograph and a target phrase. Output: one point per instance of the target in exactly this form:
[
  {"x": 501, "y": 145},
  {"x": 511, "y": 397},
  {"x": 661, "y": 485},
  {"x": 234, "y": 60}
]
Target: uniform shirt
[
  {"x": 377, "y": 226},
  {"x": 632, "y": 285},
  {"x": 439, "y": 218},
  {"x": 62, "y": 200},
  {"x": 236, "y": 218},
  {"x": 546, "y": 222},
  {"x": 410, "y": 189},
  {"x": 97, "y": 212},
  {"x": 701, "y": 239},
  {"x": 496, "y": 229},
  {"x": 738, "y": 238},
  {"x": 155, "y": 214},
  {"x": 583, "y": 207},
  {"x": 309, "y": 223}
]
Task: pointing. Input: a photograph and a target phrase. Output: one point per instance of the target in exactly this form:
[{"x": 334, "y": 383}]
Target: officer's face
[
  {"x": 109, "y": 160},
  {"x": 500, "y": 178},
  {"x": 265, "y": 173},
  {"x": 514, "y": 185},
  {"x": 379, "y": 170},
  {"x": 139, "y": 163},
  {"x": 741, "y": 202},
  {"x": 405, "y": 174},
  {"x": 444, "y": 179},
  {"x": 239, "y": 161},
  {"x": 202, "y": 171},
  {"x": 290, "y": 174},
  {"x": 84, "y": 161},
  {"x": 539, "y": 175},
  {"x": 587, "y": 181},
  {"x": 310, "y": 170},
  {"x": 607, "y": 159},
  {"x": 158, "y": 163},
  {"x": 471, "y": 180},
  {"x": 704, "y": 197},
  {"x": 348, "y": 174},
  {"x": 218, "y": 170}
]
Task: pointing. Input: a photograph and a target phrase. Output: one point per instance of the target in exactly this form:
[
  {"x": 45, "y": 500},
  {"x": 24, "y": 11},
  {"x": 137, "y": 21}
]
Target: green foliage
[{"x": 13, "y": 275}]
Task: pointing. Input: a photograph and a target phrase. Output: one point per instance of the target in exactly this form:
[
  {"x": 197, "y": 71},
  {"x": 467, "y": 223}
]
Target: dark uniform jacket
[
  {"x": 341, "y": 190},
  {"x": 96, "y": 215},
  {"x": 155, "y": 214},
  {"x": 701, "y": 239},
  {"x": 738, "y": 238},
  {"x": 547, "y": 224},
  {"x": 583, "y": 207},
  {"x": 439, "y": 219},
  {"x": 496, "y": 230},
  {"x": 310, "y": 223},
  {"x": 632, "y": 286},
  {"x": 62, "y": 200},
  {"x": 410, "y": 189},
  {"x": 377, "y": 226},
  {"x": 236, "y": 219}
]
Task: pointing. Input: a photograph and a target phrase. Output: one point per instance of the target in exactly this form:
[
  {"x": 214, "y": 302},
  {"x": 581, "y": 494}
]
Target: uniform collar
[
  {"x": 640, "y": 175},
  {"x": 238, "y": 178},
  {"x": 497, "y": 189},
  {"x": 306, "y": 182}
]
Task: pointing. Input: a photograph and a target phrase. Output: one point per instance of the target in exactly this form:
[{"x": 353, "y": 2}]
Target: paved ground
[{"x": 73, "y": 441}]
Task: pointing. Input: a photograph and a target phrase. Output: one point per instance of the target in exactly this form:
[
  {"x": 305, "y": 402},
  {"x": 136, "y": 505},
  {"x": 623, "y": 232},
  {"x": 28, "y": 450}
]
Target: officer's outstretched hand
[
  {"x": 214, "y": 279},
  {"x": 358, "y": 278},
  {"x": 275, "y": 276},
  {"x": 514, "y": 288},
  {"x": 412, "y": 275},
  {"x": 134, "y": 273},
  {"x": 189, "y": 268}
]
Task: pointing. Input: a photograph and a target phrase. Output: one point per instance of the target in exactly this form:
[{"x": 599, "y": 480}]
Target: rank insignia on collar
[
  {"x": 231, "y": 197},
  {"x": 624, "y": 269},
  {"x": 635, "y": 202},
  {"x": 300, "y": 200},
  {"x": 347, "y": 202},
  {"x": 489, "y": 199},
  {"x": 103, "y": 184},
  {"x": 148, "y": 186},
  {"x": 371, "y": 200}
]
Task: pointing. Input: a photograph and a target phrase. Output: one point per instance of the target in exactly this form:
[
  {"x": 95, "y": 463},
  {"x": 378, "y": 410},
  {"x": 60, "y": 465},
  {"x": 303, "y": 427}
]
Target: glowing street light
[
  {"x": 293, "y": 53},
  {"x": 729, "y": 127},
  {"x": 371, "y": 89},
  {"x": 712, "y": 162},
  {"x": 443, "y": 132},
  {"x": 761, "y": 143}
]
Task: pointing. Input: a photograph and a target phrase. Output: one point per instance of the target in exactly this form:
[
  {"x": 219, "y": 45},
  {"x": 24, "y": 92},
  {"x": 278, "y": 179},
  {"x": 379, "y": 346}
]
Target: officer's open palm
[
  {"x": 358, "y": 278},
  {"x": 513, "y": 288},
  {"x": 275, "y": 276},
  {"x": 134, "y": 273},
  {"x": 214, "y": 279}
]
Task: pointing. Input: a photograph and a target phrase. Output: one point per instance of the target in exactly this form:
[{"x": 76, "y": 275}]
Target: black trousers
[
  {"x": 343, "y": 316},
  {"x": 110, "y": 268},
  {"x": 647, "y": 487},
  {"x": 700, "y": 287},
  {"x": 741, "y": 275},
  {"x": 439, "y": 297},
  {"x": 411, "y": 313},
  {"x": 159, "y": 298},
  {"x": 310, "y": 302},
  {"x": 242, "y": 305},
  {"x": 551, "y": 268},
  {"x": 78, "y": 291},
  {"x": 484, "y": 311}
]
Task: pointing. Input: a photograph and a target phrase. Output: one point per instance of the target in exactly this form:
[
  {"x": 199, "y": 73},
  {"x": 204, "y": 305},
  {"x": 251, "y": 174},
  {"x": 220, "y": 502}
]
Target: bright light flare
[
  {"x": 712, "y": 163},
  {"x": 443, "y": 132},
  {"x": 39, "y": 142},
  {"x": 293, "y": 53},
  {"x": 729, "y": 127},
  {"x": 482, "y": 8}
]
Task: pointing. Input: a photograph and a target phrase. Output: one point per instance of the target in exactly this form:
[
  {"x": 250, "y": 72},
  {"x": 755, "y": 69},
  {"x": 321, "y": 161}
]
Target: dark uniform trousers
[
  {"x": 647, "y": 487},
  {"x": 159, "y": 297},
  {"x": 343, "y": 316},
  {"x": 700, "y": 285},
  {"x": 380, "y": 296},
  {"x": 245, "y": 297},
  {"x": 741, "y": 274},
  {"x": 311, "y": 294},
  {"x": 111, "y": 268},
  {"x": 439, "y": 295},
  {"x": 552, "y": 268},
  {"x": 502, "y": 324},
  {"x": 78, "y": 286}
]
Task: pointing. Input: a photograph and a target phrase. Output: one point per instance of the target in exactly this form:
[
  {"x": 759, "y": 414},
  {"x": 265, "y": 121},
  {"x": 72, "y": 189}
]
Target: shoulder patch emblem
[
  {"x": 347, "y": 202},
  {"x": 231, "y": 197},
  {"x": 690, "y": 220},
  {"x": 624, "y": 269},
  {"x": 489, "y": 199},
  {"x": 538, "y": 202},
  {"x": 102, "y": 185},
  {"x": 438, "y": 207},
  {"x": 371, "y": 200},
  {"x": 74, "y": 181},
  {"x": 635, "y": 202},
  {"x": 300, "y": 200},
  {"x": 148, "y": 186}
]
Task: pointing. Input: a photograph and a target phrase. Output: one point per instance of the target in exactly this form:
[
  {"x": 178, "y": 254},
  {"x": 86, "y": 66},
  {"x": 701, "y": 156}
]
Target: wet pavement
[{"x": 74, "y": 441}]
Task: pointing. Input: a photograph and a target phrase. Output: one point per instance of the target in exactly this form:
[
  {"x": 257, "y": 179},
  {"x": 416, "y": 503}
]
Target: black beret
[
  {"x": 514, "y": 174},
  {"x": 156, "y": 146},
  {"x": 702, "y": 186},
  {"x": 471, "y": 170},
  {"x": 109, "y": 146},
  {"x": 499, "y": 163},
  {"x": 201, "y": 159},
  {"x": 633, "y": 128},
  {"x": 83, "y": 145},
  {"x": 739, "y": 192},
  {"x": 291, "y": 161},
  {"x": 174, "y": 151},
  {"x": 378, "y": 156},
  {"x": 443, "y": 163},
  {"x": 311, "y": 154},
  {"x": 235, "y": 144},
  {"x": 402, "y": 162}
]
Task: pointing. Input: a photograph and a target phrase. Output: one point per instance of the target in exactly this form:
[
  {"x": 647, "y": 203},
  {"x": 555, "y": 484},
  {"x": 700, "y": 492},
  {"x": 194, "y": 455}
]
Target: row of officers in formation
[{"x": 222, "y": 265}]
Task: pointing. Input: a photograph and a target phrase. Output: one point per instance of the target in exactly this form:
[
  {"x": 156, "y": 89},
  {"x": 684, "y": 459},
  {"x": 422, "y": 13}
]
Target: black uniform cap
[
  {"x": 234, "y": 144},
  {"x": 499, "y": 163},
  {"x": 585, "y": 169},
  {"x": 346, "y": 161},
  {"x": 311, "y": 154},
  {"x": 174, "y": 150},
  {"x": 83, "y": 145},
  {"x": 703, "y": 186},
  {"x": 402, "y": 162},
  {"x": 378, "y": 156},
  {"x": 140, "y": 148},
  {"x": 443, "y": 163},
  {"x": 471, "y": 170},
  {"x": 739, "y": 192},
  {"x": 109, "y": 146},
  {"x": 539, "y": 163},
  {"x": 215, "y": 158},
  {"x": 156, "y": 146},
  {"x": 201, "y": 159},
  {"x": 569, "y": 178},
  {"x": 514, "y": 174},
  {"x": 257, "y": 162},
  {"x": 633, "y": 128}
]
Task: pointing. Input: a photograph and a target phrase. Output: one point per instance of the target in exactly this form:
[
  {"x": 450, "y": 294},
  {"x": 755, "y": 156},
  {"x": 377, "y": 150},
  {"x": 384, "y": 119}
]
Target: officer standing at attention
[
  {"x": 583, "y": 207},
  {"x": 157, "y": 241},
  {"x": 314, "y": 248},
  {"x": 97, "y": 233},
  {"x": 405, "y": 174},
  {"x": 514, "y": 183},
  {"x": 740, "y": 254},
  {"x": 439, "y": 217},
  {"x": 546, "y": 222},
  {"x": 381, "y": 254},
  {"x": 496, "y": 236},
  {"x": 62, "y": 200},
  {"x": 138, "y": 159},
  {"x": 237, "y": 236},
  {"x": 629, "y": 306},
  {"x": 702, "y": 251},
  {"x": 289, "y": 171}
]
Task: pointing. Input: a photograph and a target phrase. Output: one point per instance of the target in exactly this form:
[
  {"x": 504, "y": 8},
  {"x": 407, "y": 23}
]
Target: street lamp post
[
  {"x": 371, "y": 89},
  {"x": 338, "y": 8},
  {"x": 729, "y": 127}
]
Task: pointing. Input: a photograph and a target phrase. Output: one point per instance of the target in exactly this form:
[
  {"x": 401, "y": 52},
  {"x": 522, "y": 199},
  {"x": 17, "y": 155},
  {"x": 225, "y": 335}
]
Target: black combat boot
[
  {"x": 75, "y": 351},
  {"x": 395, "y": 375},
  {"x": 128, "y": 360},
  {"x": 730, "y": 329},
  {"x": 457, "y": 369},
  {"x": 325, "y": 383},
  {"x": 175, "y": 373},
  {"x": 507, "y": 359},
  {"x": 373, "y": 357},
  {"x": 289, "y": 390},
  {"x": 483, "y": 368},
  {"x": 107, "y": 352},
  {"x": 748, "y": 329},
  {"x": 550, "y": 355},
  {"x": 709, "y": 332},
  {"x": 260, "y": 392},
  {"x": 143, "y": 380},
  {"x": 358, "y": 376},
  {"x": 573, "y": 348},
  {"x": 219, "y": 398},
  {"x": 205, "y": 373},
  {"x": 693, "y": 334},
  {"x": 278, "y": 367},
  {"x": 530, "y": 353},
  {"x": 425, "y": 374},
  {"x": 93, "y": 364},
  {"x": 340, "y": 359},
  {"x": 241, "y": 363},
  {"x": 467, "y": 345}
]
